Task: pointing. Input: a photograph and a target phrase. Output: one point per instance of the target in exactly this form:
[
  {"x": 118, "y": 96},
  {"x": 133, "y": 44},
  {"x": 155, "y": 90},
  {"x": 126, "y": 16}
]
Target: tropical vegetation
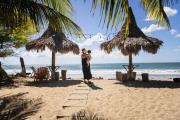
[
  {"x": 113, "y": 12},
  {"x": 17, "y": 13}
]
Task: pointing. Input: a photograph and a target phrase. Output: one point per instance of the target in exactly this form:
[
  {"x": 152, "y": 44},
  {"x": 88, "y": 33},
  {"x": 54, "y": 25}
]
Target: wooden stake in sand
[{"x": 23, "y": 72}]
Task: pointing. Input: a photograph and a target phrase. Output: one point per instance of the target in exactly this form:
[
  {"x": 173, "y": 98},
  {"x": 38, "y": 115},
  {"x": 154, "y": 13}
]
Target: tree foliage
[
  {"x": 18, "y": 17},
  {"x": 15, "y": 38},
  {"x": 115, "y": 11},
  {"x": 40, "y": 12}
]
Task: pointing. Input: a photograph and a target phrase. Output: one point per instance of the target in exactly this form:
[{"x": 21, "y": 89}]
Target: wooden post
[
  {"x": 53, "y": 66},
  {"x": 23, "y": 72},
  {"x": 118, "y": 76},
  {"x": 130, "y": 67},
  {"x": 63, "y": 74},
  {"x": 145, "y": 77}
]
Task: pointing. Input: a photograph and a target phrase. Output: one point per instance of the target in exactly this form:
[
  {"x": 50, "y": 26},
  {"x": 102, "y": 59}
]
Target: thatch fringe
[{"x": 55, "y": 41}]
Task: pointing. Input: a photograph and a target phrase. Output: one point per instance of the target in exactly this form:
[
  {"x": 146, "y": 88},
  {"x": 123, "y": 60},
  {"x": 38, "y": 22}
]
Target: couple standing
[{"x": 86, "y": 67}]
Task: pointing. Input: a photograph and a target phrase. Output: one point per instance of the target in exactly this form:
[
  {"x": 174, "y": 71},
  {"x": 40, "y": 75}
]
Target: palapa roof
[
  {"x": 55, "y": 41},
  {"x": 132, "y": 42}
]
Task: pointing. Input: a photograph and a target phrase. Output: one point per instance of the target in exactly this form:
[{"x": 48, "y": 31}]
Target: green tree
[
  {"x": 19, "y": 16},
  {"x": 15, "y": 38},
  {"x": 16, "y": 13},
  {"x": 114, "y": 11}
]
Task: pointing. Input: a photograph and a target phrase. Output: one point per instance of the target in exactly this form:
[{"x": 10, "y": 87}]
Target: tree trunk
[
  {"x": 53, "y": 66},
  {"x": 23, "y": 72},
  {"x": 130, "y": 68},
  {"x": 3, "y": 73}
]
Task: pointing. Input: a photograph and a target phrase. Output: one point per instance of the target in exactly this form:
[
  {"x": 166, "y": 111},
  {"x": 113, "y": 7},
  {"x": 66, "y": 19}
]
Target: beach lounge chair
[
  {"x": 40, "y": 73},
  {"x": 34, "y": 71}
]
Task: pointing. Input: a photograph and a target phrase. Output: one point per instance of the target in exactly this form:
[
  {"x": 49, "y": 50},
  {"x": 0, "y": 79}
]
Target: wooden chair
[
  {"x": 34, "y": 71},
  {"x": 40, "y": 73}
]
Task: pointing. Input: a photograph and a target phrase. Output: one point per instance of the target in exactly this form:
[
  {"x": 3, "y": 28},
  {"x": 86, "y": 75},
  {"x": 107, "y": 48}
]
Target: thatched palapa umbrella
[
  {"x": 56, "y": 42},
  {"x": 132, "y": 42}
]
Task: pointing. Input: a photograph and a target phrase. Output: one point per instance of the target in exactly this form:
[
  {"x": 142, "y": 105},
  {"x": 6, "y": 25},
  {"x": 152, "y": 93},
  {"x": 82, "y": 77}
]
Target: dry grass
[{"x": 86, "y": 115}]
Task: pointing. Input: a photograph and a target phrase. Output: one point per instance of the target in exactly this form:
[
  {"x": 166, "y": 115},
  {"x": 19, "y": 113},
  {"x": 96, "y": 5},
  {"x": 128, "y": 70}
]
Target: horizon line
[{"x": 98, "y": 63}]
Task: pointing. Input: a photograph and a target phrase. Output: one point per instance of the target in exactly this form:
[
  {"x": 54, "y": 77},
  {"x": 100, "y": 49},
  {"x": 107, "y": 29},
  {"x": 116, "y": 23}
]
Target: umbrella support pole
[
  {"x": 130, "y": 68},
  {"x": 53, "y": 66}
]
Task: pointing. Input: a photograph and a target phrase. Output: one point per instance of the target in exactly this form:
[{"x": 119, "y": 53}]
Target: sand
[
  {"x": 118, "y": 102},
  {"x": 109, "y": 98}
]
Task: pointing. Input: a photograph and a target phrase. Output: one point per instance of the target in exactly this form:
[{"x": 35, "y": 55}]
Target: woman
[{"x": 85, "y": 59}]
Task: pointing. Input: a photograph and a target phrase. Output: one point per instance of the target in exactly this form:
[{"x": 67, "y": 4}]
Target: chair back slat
[{"x": 42, "y": 73}]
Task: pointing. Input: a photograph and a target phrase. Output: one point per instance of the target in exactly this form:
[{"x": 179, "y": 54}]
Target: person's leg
[{"x": 84, "y": 76}]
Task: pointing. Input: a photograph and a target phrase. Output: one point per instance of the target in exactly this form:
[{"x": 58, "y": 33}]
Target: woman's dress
[{"x": 86, "y": 69}]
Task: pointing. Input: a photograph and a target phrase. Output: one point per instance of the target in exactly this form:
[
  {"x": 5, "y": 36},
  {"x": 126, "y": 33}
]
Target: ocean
[{"x": 108, "y": 70}]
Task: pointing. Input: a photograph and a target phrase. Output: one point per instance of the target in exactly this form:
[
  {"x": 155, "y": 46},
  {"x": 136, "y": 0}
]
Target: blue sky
[{"x": 169, "y": 52}]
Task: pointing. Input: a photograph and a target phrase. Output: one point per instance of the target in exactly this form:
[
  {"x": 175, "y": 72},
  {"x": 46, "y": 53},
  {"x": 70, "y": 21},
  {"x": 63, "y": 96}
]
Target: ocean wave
[{"x": 104, "y": 71}]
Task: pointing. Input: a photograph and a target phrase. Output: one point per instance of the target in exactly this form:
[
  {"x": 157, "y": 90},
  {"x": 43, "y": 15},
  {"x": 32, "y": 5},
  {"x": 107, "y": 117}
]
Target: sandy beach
[
  {"x": 110, "y": 99},
  {"x": 128, "y": 49}
]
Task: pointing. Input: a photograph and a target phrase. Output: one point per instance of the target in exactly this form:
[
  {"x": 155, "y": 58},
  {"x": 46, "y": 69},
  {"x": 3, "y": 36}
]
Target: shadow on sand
[
  {"x": 17, "y": 107},
  {"x": 60, "y": 83},
  {"x": 93, "y": 86},
  {"x": 150, "y": 84},
  {"x": 10, "y": 84}
]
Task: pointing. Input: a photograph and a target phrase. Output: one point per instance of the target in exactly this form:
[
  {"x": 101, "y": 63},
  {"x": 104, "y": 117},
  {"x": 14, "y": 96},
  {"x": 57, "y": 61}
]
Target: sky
[{"x": 90, "y": 24}]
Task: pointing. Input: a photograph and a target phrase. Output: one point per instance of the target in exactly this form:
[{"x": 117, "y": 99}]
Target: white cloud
[
  {"x": 177, "y": 49},
  {"x": 37, "y": 54},
  {"x": 98, "y": 38},
  {"x": 148, "y": 18},
  {"x": 152, "y": 28},
  {"x": 173, "y": 31},
  {"x": 169, "y": 11},
  {"x": 99, "y": 56},
  {"x": 177, "y": 35}
]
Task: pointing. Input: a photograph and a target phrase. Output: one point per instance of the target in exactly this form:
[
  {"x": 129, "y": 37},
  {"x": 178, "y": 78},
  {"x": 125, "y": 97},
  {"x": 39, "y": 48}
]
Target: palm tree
[
  {"x": 14, "y": 13},
  {"x": 115, "y": 11}
]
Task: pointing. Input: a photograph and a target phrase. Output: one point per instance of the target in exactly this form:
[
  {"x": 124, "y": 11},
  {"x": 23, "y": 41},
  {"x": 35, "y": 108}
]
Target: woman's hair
[
  {"x": 83, "y": 49},
  {"x": 89, "y": 51}
]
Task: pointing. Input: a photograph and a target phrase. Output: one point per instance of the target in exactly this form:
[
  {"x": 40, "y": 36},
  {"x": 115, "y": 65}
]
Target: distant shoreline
[
  {"x": 102, "y": 63},
  {"x": 109, "y": 70}
]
